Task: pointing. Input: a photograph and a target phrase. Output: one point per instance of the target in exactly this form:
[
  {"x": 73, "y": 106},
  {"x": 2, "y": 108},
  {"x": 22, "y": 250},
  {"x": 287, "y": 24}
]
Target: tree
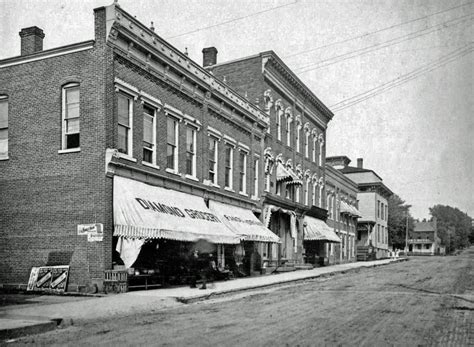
[
  {"x": 398, "y": 211},
  {"x": 454, "y": 226}
]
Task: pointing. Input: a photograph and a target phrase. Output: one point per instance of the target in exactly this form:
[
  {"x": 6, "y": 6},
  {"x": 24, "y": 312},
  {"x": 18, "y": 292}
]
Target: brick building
[
  {"x": 341, "y": 195},
  {"x": 372, "y": 231},
  {"x": 294, "y": 198},
  {"x": 109, "y": 134}
]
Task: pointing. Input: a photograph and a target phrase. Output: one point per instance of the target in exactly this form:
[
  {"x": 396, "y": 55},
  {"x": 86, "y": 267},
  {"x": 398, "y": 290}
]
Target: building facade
[
  {"x": 424, "y": 240},
  {"x": 126, "y": 136},
  {"x": 294, "y": 199},
  {"x": 341, "y": 195},
  {"x": 372, "y": 230}
]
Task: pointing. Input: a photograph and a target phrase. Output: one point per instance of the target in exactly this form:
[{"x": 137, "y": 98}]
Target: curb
[
  {"x": 30, "y": 329},
  {"x": 203, "y": 297}
]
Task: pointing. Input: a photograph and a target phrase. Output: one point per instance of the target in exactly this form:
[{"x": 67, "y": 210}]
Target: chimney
[
  {"x": 209, "y": 56},
  {"x": 31, "y": 40},
  {"x": 360, "y": 162}
]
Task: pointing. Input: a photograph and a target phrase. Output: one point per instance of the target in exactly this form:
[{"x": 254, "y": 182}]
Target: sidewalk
[{"x": 26, "y": 319}]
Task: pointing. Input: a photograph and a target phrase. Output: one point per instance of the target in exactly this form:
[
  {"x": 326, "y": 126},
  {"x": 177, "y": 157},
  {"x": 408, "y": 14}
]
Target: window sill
[
  {"x": 244, "y": 194},
  {"x": 127, "y": 157},
  {"x": 254, "y": 197},
  {"x": 70, "y": 150},
  {"x": 215, "y": 185},
  {"x": 190, "y": 177},
  {"x": 4, "y": 158},
  {"x": 150, "y": 165},
  {"x": 229, "y": 189},
  {"x": 174, "y": 172}
]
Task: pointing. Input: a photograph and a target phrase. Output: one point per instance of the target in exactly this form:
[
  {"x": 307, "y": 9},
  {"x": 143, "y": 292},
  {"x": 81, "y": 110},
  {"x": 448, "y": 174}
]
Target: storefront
[
  {"x": 256, "y": 239},
  {"x": 318, "y": 238},
  {"x": 156, "y": 229}
]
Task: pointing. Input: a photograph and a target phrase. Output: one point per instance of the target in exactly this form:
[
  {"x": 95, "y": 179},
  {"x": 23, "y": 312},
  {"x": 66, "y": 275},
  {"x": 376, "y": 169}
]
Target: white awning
[
  {"x": 287, "y": 175},
  {"x": 349, "y": 209},
  {"x": 243, "y": 223},
  {"x": 318, "y": 230},
  {"x": 148, "y": 212}
]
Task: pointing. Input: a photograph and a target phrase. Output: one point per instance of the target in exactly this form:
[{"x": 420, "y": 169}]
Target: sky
[{"x": 398, "y": 74}]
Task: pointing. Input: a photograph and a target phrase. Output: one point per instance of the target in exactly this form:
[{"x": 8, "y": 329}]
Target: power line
[
  {"x": 231, "y": 20},
  {"x": 376, "y": 31},
  {"x": 402, "y": 79},
  {"x": 365, "y": 50}
]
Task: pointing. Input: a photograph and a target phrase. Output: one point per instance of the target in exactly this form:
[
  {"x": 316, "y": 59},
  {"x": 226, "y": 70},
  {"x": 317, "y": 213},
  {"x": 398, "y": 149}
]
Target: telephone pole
[{"x": 406, "y": 236}]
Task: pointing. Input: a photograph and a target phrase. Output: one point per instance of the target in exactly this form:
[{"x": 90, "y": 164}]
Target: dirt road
[{"x": 425, "y": 301}]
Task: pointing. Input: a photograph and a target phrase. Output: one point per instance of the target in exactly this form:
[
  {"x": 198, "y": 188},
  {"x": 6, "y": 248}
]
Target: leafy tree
[
  {"x": 454, "y": 226},
  {"x": 398, "y": 211}
]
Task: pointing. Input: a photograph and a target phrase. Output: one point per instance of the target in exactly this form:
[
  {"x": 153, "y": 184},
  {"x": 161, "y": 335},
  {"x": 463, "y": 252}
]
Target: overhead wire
[
  {"x": 452, "y": 56},
  {"x": 231, "y": 20},
  {"x": 365, "y": 50},
  {"x": 376, "y": 31}
]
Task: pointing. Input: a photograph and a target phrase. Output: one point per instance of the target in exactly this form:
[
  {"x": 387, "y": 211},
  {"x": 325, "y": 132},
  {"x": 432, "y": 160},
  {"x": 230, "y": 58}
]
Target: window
[
  {"x": 124, "y": 124},
  {"x": 298, "y": 145},
  {"x": 306, "y": 195},
  {"x": 313, "y": 199},
  {"x": 172, "y": 144},
  {"x": 267, "y": 181},
  {"x": 278, "y": 188},
  {"x": 242, "y": 172},
  {"x": 320, "y": 196},
  {"x": 382, "y": 210},
  {"x": 328, "y": 200},
  {"x": 288, "y": 131},
  {"x": 315, "y": 142},
  {"x": 297, "y": 193},
  {"x": 213, "y": 160},
  {"x": 229, "y": 154},
  {"x": 256, "y": 163},
  {"x": 278, "y": 121},
  {"x": 149, "y": 135},
  {"x": 306, "y": 144},
  {"x": 289, "y": 191},
  {"x": 386, "y": 212},
  {"x": 70, "y": 116},
  {"x": 378, "y": 208},
  {"x": 3, "y": 127},
  {"x": 320, "y": 154},
  {"x": 191, "y": 151}
]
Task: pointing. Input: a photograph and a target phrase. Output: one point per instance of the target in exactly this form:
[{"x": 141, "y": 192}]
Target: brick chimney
[
  {"x": 209, "y": 56},
  {"x": 31, "y": 40},
  {"x": 360, "y": 163}
]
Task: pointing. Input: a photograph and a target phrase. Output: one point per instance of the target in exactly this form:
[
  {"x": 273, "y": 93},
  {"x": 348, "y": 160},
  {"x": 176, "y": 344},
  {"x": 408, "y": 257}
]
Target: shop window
[
  {"x": 149, "y": 134},
  {"x": 213, "y": 159},
  {"x": 242, "y": 172},
  {"x": 229, "y": 154},
  {"x": 191, "y": 151},
  {"x": 3, "y": 127},
  {"x": 125, "y": 105},
  {"x": 172, "y": 144},
  {"x": 70, "y": 116}
]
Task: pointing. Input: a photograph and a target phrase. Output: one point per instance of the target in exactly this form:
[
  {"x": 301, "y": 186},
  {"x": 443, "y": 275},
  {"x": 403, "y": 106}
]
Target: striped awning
[
  {"x": 287, "y": 175},
  {"x": 349, "y": 209},
  {"x": 144, "y": 211},
  {"x": 318, "y": 230}
]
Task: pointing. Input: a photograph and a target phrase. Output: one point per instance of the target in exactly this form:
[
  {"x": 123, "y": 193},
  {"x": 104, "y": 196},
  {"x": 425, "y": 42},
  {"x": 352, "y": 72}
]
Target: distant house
[{"x": 424, "y": 239}]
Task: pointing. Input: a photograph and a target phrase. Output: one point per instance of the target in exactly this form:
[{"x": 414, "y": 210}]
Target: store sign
[
  {"x": 94, "y": 232},
  {"x": 48, "y": 278}
]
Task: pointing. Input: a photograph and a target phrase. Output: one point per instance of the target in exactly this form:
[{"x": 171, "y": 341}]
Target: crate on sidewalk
[{"x": 115, "y": 281}]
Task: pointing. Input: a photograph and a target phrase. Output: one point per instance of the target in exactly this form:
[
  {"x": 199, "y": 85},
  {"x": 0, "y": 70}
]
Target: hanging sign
[{"x": 48, "y": 278}]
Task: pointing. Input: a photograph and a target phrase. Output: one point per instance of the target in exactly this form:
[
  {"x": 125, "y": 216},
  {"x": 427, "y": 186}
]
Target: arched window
[
  {"x": 3, "y": 127},
  {"x": 70, "y": 116}
]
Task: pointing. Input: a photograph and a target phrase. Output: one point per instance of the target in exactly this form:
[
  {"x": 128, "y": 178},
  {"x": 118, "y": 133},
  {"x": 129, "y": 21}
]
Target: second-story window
[
  {"x": 315, "y": 144},
  {"x": 313, "y": 193},
  {"x": 378, "y": 208},
  {"x": 191, "y": 151},
  {"x": 172, "y": 144},
  {"x": 320, "y": 200},
  {"x": 278, "y": 124},
  {"x": 213, "y": 160},
  {"x": 243, "y": 172},
  {"x": 306, "y": 144},
  {"x": 306, "y": 193},
  {"x": 3, "y": 127},
  {"x": 297, "y": 193},
  {"x": 256, "y": 163},
  {"x": 320, "y": 153},
  {"x": 288, "y": 131},
  {"x": 297, "y": 140},
  {"x": 149, "y": 135},
  {"x": 125, "y": 105},
  {"x": 70, "y": 115},
  {"x": 228, "y": 163}
]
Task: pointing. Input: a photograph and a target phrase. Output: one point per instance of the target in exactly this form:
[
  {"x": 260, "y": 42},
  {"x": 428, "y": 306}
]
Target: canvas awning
[
  {"x": 318, "y": 230},
  {"x": 349, "y": 209},
  {"x": 287, "y": 175},
  {"x": 243, "y": 223},
  {"x": 147, "y": 212}
]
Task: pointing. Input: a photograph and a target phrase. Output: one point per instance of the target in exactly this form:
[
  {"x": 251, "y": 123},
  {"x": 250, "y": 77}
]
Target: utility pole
[{"x": 406, "y": 236}]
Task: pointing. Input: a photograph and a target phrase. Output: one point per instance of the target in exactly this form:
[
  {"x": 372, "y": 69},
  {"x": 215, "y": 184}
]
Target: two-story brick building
[
  {"x": 294, "y": 199},
  {"x": 120, "y": 150}
]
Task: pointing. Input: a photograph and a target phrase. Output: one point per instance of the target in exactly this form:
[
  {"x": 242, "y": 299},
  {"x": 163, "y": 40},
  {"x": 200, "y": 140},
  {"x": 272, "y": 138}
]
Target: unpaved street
[{"x": 425, "y": 301}]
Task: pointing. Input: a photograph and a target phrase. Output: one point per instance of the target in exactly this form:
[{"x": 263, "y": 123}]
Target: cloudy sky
[{"x": 398, "y": 74}]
